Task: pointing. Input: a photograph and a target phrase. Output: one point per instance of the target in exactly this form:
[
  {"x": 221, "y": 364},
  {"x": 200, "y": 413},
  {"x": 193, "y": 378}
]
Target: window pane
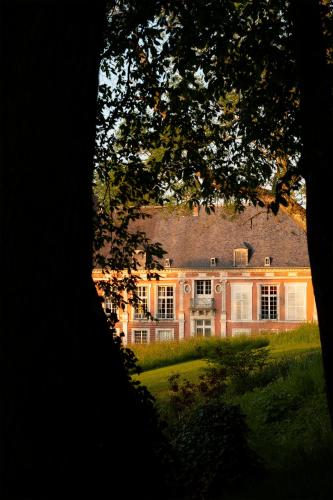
[
  {"x": 241, "y": 257},
  {"x": 296, "y": 302},
  {"x": 140, "y": 336},
  {"x": 142, "y": 307},
  {"x": 203, "y": 327},
  {"x": 268, "y": 302},
  {"x": 110, "y": 306},
  {"x": 164, "y": 335},
  {"x": 241, "y": 302},
  {"x": 165, "y": 302},
  {"x": 203, "y": 287}
]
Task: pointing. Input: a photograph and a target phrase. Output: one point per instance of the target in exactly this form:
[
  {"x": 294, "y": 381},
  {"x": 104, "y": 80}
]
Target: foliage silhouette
[{"x": 216, "y": 100}]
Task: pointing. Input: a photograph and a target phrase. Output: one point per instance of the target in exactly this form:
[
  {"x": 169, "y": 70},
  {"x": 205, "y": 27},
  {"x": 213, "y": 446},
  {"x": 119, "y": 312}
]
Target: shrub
[
  {"x": 185, "y": 394},
  {"x": 239, "y": 362},
  {"x": 232, "y": 363},
  {"x": 212, "y": 449},
  {"x": 289, "y": 418}
]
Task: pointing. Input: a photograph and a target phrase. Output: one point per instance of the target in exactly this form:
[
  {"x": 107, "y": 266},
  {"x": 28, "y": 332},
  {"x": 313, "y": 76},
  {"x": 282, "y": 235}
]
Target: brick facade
[{"x": 210, "y": 293}]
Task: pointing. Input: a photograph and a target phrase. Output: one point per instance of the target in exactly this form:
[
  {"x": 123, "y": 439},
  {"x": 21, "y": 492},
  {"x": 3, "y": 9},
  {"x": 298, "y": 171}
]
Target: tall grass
[
  {"x": 286, "y": 411},
  {"x": 159, "y": 354},
  {"x": 304, "y": 334},
  {"x": 289, "y": 418}
]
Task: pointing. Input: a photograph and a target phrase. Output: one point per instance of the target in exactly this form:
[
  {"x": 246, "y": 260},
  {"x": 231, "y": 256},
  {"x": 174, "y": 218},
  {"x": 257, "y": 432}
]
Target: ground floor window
[
  {"x": 165, "y": 334},
  {"x": 140, "y": 337},
  {"x": 203, "y": 327},
  {"x": 240, "y": 331},
  {"x": 270, "y": 330}
]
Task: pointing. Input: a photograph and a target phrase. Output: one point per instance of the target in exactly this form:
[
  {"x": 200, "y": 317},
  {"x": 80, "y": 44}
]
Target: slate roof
[{"x": 191, "y": 241}]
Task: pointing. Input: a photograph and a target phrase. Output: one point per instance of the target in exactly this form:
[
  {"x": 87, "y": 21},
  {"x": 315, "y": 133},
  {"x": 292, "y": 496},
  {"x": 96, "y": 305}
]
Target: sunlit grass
[
  {"x": 304, "y": 334},
  {"x": 287, "y": 417},
  {"x": 289, "y": 413},
  {"x": 157, "y": 380},
  {"x": 159, "y": 354}
]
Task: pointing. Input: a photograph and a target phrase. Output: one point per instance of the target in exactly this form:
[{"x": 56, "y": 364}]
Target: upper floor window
[
  {"x": 109, "y": 306},
  {"x": 296, "y": 301},
  {"x": 142, "y": 307},
  {"x": 241, "y": 257},
  {"x": 268, "y": 302},
  {"x": 241, "y": 301},
  {"x": 165, "y": 302},
  {"x": 203, "y": 287}
]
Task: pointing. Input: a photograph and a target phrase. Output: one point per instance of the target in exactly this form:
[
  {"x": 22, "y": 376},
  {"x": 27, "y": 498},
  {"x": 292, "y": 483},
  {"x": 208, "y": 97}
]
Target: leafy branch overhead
[
  {"x": 199, "y": 102},
  {"x": 200, "y": 99}
]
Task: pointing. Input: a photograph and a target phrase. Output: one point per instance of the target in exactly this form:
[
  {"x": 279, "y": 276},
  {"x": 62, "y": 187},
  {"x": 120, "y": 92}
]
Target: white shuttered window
[
  {"x": 241, "y": 301},
  {"x": 165, "y": 334},
  {"x": 296, "y": 301}
]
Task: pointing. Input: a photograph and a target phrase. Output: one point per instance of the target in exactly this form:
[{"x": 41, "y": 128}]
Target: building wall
[{"x": 222, "y": 314}]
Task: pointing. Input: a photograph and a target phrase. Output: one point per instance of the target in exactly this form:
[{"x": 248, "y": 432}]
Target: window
[
  {"x": 203, "y": 327},
  {"x": 241, "y": 257},
  {"x": 240, "y": 331},
  {"x": 268, "y": 302},
  {"x": 296, "y": 301},
  {"x": 267, "y": 261},
  {"x": 140, "y": 337},
  {"x": 203, "y": 287},
  {"x": 241, "y": 301},
  {"x": 164, "y": 334},
  {"x": 142, "y": 307},
  {"x": 140, "y": 258},
  {"x": 213, "y": 261},
  {"x": 109, "y": 306},
  {"x": 167, "y": 263},
  {"x": 165, "y": 302}
]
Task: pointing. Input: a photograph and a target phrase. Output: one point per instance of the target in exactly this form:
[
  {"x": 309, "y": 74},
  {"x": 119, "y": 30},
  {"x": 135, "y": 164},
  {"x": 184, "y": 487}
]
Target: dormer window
[
  {"x": 241, "y": 257},
  {"x": 167, "y": 262},
  {"x": 140, "y": 258},
  {"x": 267, "y": 261},
  {"x": 213, "y": 261}
]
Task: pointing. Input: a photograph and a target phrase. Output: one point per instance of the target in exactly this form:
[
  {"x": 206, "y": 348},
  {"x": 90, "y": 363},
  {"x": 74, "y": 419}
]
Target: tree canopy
[
  {"x": 209, "y": 100},
  {"x": 201, "y": 101}
]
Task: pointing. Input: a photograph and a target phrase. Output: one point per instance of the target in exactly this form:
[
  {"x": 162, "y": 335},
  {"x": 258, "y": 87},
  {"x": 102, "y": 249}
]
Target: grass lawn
[
  {"x": 170, "y": 357},
  {"x": 157, "y": 380},
  {"x": 287, "y": 418}
]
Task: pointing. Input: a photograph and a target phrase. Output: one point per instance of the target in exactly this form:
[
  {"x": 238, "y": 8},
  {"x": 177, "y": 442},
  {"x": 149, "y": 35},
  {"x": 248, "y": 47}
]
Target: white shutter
[
  {"x": 296, "y": 301},
  {"x": 241, "y": 301}
]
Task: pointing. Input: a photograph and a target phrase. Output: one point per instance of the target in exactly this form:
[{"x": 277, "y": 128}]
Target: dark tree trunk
[
  {"x": 317, "y": 165},
  {"x": 67, "y": 408}
]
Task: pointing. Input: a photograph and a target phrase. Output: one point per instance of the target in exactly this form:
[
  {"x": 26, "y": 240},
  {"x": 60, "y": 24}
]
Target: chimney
[{"x": 195, "y": 210}]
